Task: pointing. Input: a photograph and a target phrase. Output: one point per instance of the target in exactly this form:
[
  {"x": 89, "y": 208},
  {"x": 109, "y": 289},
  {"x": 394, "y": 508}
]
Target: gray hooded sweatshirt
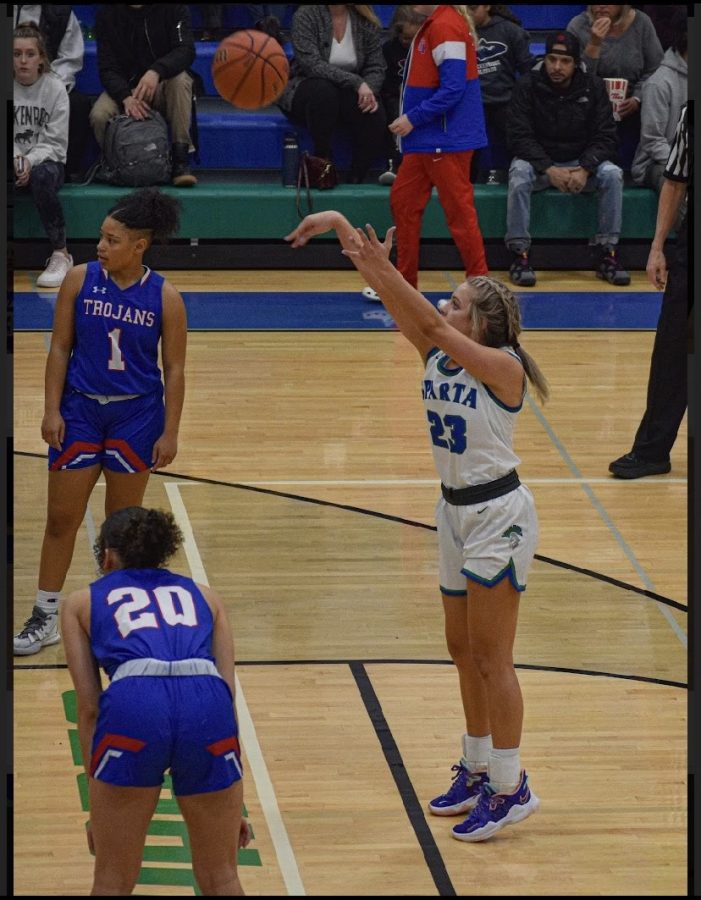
[{"x": 664, "y": 94}]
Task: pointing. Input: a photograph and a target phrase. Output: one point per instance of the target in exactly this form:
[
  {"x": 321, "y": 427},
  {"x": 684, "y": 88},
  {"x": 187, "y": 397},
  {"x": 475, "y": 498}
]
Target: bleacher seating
[{"x": 240, "y": 195}]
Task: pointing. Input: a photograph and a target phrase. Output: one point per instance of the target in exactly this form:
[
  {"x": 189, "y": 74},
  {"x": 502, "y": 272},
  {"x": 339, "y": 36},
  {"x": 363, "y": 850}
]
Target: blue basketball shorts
[
  {"x": 118, "y": 435},
  {"x": 487, "y": 542},
  {"x": 185, "y": 723}
]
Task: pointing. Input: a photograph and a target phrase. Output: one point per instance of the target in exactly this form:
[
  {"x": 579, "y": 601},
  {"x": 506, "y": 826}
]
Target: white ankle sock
[
  {"x": 47, "y": 601},
  {"x": 505, "y": 769},
  {"x": 475, "y": 752}
]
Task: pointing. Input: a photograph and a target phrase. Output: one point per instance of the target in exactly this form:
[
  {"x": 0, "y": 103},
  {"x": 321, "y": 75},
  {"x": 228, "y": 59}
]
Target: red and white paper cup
[{"x": 617, "y": 89}]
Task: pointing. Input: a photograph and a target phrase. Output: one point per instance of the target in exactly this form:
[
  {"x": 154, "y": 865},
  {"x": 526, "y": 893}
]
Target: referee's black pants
[{"x": 667, "y": 384}]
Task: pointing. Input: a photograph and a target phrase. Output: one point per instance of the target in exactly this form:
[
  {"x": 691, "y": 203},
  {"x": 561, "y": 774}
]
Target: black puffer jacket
[
  {"x": 130, "y": 41},
  {"x": 545, "y": 126}
]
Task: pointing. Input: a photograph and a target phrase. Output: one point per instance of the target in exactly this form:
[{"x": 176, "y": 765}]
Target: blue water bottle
[{"x": 290, "y": 160}]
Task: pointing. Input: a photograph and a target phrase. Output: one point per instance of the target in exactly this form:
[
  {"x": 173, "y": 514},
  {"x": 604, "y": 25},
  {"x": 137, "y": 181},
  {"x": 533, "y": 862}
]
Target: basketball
[{"x": 250, "y": 69}]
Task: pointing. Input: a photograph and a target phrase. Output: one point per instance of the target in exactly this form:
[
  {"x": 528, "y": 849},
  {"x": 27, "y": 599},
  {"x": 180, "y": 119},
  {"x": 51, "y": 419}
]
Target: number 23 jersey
[
  {"x": 471, "y": 430},
  {"x": 116, "y": 336},
  {"x": 148, "y": 613}
]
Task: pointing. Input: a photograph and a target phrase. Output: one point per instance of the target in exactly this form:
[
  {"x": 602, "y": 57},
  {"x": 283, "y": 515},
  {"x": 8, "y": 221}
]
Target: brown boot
[{"x": 181, "y": 175}]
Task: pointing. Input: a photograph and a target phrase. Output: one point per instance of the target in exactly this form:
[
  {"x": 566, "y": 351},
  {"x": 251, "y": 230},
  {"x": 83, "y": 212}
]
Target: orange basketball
[{"x": 250, "y": 69}]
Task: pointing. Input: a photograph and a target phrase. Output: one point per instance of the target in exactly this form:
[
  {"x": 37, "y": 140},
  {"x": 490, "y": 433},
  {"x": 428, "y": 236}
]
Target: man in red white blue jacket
[{"x": 441, "y": 124}]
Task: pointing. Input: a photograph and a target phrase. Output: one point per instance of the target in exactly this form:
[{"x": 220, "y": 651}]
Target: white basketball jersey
[{"x": 471, "y": 430}]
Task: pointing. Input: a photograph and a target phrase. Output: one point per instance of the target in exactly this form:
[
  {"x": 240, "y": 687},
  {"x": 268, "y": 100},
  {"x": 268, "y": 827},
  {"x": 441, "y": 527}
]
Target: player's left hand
[
  {"x": 368, "y": 246},
  {"x": 164, "y": 451}
]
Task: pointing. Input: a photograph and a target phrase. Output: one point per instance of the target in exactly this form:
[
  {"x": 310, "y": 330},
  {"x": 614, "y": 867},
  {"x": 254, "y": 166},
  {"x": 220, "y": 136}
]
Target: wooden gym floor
[{"x": 305, "y": 484}]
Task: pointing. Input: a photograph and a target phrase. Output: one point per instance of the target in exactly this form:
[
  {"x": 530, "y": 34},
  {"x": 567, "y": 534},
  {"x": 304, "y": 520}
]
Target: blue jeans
[{"x": 523, "y": 179}]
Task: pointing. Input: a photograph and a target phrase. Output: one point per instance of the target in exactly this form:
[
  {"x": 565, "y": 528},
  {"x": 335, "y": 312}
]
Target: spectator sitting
[
  {"x": 336, "y": 77},
  {"x": 65, "y": 47},
  {"x": 620, "y": 42},
  {"x": 272, "y": 18},
  {"x": 404, "y": 25},
  {"x": 503, "y": 53},
  {"x": 664, "y": 94},
  {"x": 562, "y": 133},
  {"x": 40, "y": 142},
  {"x": 143, "y": 55},
  {"x": 212, "y": 18}
]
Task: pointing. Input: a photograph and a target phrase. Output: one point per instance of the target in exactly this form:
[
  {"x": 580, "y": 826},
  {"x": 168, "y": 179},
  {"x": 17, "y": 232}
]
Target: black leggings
[
  {"x": 322, "y": 106},
  {"x": 45, "y": 181}
]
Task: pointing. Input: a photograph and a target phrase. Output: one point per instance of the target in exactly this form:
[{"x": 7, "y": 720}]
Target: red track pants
[{"x": 450, "y": 173}]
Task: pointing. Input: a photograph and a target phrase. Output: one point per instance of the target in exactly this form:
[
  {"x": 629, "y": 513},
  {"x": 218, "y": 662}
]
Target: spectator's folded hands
[
  {"x": 578, "y": 180},
  {"x": 559, "y": 178}
]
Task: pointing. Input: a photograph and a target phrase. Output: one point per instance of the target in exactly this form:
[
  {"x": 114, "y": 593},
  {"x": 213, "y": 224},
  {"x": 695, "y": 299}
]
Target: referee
[{"x": 667, "y": 384}]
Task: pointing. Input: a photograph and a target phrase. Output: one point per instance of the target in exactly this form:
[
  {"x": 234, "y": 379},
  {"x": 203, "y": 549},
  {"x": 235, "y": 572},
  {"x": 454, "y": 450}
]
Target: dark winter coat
[
  {"x": 546, "y": 126},
  {"x": 130, "y": 41}
]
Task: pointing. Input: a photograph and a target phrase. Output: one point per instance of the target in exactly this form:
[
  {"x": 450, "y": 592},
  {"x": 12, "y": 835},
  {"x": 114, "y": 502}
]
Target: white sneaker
[
  {"x": 370, "y": 294},
  {"x": 57, "y": 265},
  {"x": 40, "y": 630}
]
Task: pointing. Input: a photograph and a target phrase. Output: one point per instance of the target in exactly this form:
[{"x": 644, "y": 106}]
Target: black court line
[
  {"x": 565, "y": 670},
  {"x": 414, "y": 810},
  {"x": 650, "y": 595}
]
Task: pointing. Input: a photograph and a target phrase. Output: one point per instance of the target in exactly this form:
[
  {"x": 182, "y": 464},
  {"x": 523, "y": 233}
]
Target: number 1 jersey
[{"x": 117, "y": 331}]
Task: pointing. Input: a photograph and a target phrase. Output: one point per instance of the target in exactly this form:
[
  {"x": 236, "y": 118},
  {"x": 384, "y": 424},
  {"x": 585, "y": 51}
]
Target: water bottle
[{"x": 290, "y": 160}]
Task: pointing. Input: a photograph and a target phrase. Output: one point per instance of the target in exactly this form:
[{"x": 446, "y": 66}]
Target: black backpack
[{"x": 135, "y": 152}]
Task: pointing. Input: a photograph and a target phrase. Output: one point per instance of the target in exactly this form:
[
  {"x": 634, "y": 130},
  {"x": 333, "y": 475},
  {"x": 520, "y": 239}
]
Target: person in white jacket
[
  {"x": 41, "y": 114},
  {"x": 664, "y": 94}
]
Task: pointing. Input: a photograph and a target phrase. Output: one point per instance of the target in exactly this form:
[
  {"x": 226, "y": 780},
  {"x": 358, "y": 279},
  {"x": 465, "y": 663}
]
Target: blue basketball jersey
[
  {"x": 148, "y": 613},
  {"x": 117, "y": 331}
]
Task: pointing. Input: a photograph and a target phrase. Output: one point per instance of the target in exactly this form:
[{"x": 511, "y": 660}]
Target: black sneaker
[
  {"x": 610, "y": 269},
  {"x": 521, "y": 272},
  {"x": 632, "y": 466}
]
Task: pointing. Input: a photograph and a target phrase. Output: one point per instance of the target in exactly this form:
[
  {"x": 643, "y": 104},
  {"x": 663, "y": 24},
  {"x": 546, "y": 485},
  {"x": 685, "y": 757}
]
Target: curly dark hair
[
  {"x": 148, "y": 210},
  {"x": 143, "y": 538}
]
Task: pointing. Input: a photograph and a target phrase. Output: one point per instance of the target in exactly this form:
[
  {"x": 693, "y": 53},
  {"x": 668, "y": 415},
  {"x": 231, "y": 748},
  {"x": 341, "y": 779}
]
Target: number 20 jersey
[
  {"x": 115, "y": 349},
  {"x": 148, "y": 613},
  {"x": 470, "y": 429}
]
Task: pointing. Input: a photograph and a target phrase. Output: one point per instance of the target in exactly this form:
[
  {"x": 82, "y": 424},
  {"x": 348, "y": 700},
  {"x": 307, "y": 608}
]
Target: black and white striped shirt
[
  {"x": 680, "y": 168},
  {"x": 677, "y": 168}
]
